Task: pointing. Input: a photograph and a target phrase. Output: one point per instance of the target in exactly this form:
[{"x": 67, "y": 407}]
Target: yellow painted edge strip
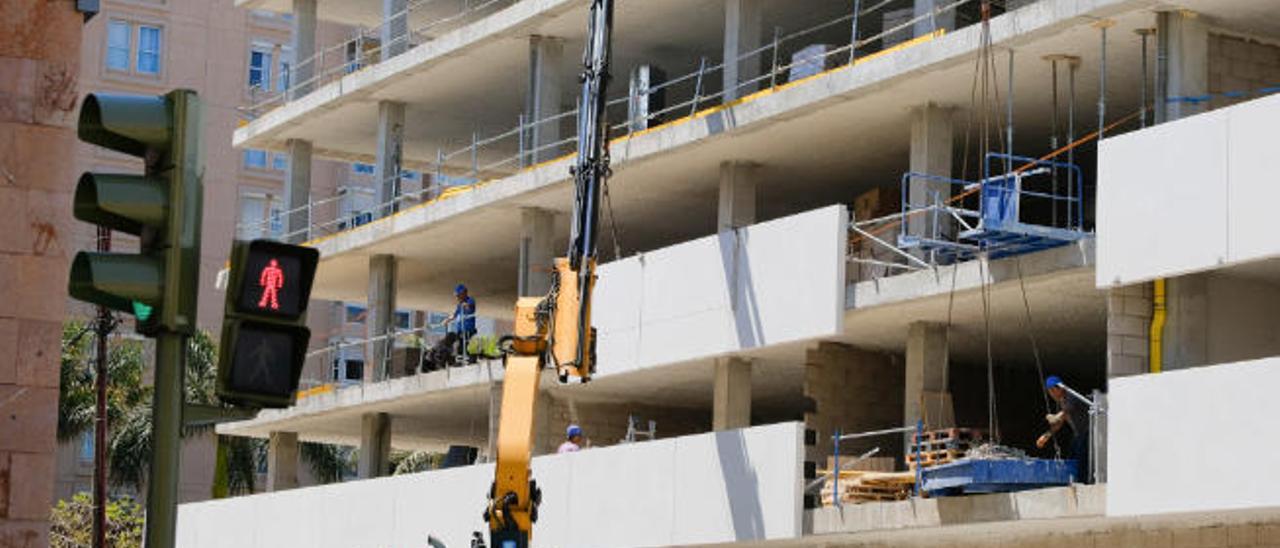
[
  {"x": 315, "y": 391},
  {"x": 454, "y": 191}
]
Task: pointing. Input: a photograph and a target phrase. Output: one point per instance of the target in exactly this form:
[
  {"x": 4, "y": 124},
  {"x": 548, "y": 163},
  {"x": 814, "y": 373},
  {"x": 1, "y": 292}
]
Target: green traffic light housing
[{"x": 162, "y": 206}]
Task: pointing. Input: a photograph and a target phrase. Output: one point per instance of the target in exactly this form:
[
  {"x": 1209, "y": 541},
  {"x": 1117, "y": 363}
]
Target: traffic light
[
  {"x": 264, "y": 332},
  {"x": 161, "y": 207}
]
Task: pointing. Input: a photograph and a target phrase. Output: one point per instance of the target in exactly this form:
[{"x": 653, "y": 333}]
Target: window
[
  {"x": 148, "y": 50},
  {"x": 286, "y": 66},
  {"x": 260, "y": 217},
  {"x": 134, "y": 47},
  {"x": 411, "y": 175},
  {"x": 355, "y": 314},
  {"x": 402, "y": 319},
  {"x": 435, "y": 322},
  {"x": 86, "y": 447},
  {"x": 260, "y": 68},
  {"x": 279, "y": 161},
  {"x": 255, "y": 158},
  {"x": 118, "y": 45},
  {"x": 362, "y": 169}
]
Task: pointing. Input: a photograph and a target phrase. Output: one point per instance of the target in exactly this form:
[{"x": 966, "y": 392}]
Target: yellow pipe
[{"x": 1157, "y": 325}]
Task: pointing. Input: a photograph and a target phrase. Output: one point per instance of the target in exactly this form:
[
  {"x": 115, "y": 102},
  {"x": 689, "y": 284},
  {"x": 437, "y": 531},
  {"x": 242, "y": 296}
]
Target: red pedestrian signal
[
  {"x": 271, "y": 280},
  {"x": 275, "y": 279},
  {"x": 264, "y": 332}
]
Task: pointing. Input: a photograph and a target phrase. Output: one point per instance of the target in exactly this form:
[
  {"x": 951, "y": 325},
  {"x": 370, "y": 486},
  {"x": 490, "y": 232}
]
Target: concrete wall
[
  {"x": 1194, "y": 440},
  {"x": 765, "y": 284},
  {"x": 1164, "y": 194},
  {"x": 1221, "y": 317},
  {"x": 719, "y": 487},
  {"x": 1240, "y": 64},
  {"x": 856, "y": 391},
  {"x": 1129, "y": 330}
]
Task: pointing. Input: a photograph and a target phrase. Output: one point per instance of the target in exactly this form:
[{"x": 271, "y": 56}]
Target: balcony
[
  {"x": 737, "y": 485},
  {"x": 1193, "y": 195}
]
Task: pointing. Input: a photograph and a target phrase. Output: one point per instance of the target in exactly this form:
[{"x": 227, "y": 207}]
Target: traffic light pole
[
  {"x": 100, "y": 419},
  {"x": 166, "y": 435}
]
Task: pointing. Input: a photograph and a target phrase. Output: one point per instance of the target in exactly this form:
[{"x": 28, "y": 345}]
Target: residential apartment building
[{"x": 825, "y": 217}]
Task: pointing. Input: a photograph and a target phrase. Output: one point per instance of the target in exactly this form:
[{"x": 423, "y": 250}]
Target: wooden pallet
[
  {"x": 858, "y": 486},
  {"x": 972, "y": 435}
]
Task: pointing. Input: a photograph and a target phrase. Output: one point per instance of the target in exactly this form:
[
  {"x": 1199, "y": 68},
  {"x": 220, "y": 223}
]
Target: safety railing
[
  {"x": 416, "y": 342},
  {"x": 537, "y": 140},
  {"x": 366, "y": 49}
]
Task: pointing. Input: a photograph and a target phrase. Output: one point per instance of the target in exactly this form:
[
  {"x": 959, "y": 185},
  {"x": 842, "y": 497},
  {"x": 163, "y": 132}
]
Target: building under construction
[{"x": 846, "y": 245}]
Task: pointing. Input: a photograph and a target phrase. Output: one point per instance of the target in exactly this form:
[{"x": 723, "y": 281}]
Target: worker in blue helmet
[
  {"x": 463, "y": 320},
  {"x": 573, "y": 440},
  {"x": 1073, "y": 416}
]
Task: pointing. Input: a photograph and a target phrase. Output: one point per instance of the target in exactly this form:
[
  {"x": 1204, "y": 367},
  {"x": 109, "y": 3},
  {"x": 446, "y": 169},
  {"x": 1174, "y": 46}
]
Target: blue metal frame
[{"x": 996, "y": 227}]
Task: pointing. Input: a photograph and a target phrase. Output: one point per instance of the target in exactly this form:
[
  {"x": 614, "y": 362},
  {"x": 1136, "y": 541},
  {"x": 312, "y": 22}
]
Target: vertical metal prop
[
  {"x": 773, "y": 73},
  {"x": 1102, "y": 81},
  {"x": 697, "y": 86},
  {"x": 835, "y": 469},
  {"x": 1009, "y": 118},
  {"x": 853, "y": 42}
]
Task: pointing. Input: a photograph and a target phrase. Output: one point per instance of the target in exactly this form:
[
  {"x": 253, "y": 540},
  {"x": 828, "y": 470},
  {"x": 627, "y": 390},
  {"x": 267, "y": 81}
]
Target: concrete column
[
  {"x": 297, "y": 192},
  {"x": 375, "y": 445},
  {"x": 545, "y": 97},
  {"x": 743, "y": 30},
  {"x": 395, "y": 28},
  {"x": 931, "y": 154},
  {"x": 731, "y": 406},
  {"x": 495, "y": 414},
  {"x": 1186, "y": 329},
  {"x": 1182, "y": 63},
  {"x": 389, "y": 154},
  {"x": 381, "y": 316},
  {"x": 737, "y": 206},
  {"x": 925, "y": 396},
  {"x": 929, "y": 24},
  {"x": 282, "y": 461},
  {"x": 537, "y": 234},
  {"x": 303, "y": 38}
]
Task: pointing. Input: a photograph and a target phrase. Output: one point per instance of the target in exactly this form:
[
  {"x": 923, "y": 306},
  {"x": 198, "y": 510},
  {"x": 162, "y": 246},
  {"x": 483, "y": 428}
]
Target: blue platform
[
  {"x": 995, "y": 227},
  {"x": 997, "y": 476}
]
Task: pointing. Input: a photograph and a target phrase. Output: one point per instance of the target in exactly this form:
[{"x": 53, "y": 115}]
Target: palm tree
[{"x": 129, "y": 414}]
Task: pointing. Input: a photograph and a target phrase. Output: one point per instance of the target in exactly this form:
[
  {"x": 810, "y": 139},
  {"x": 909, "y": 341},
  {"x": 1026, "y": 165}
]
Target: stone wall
[
  {"x": 853, "y": 390},
  {"x": 39, "y": 64},
  {"x": 1128, "y": 330}
]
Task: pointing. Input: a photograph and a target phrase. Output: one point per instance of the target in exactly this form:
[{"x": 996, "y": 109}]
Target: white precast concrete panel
[
  {"x": 761, "y": 285},
  {"x": 646, "y": 500},
  {"x": 1190, "y": 195},
  {"x": 1194, "y": 440},
  {"x": 642, "y": 494},
  {"x": 1162, "y": 203},
  {"x": 753, "y": 506},
  {"x": 1254, "y": 171}
]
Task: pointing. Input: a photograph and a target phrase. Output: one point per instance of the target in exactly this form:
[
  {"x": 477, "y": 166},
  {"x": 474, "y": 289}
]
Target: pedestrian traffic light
[
  {"x": 264, "y": 332},
  {"x": 162, "y": 207}
]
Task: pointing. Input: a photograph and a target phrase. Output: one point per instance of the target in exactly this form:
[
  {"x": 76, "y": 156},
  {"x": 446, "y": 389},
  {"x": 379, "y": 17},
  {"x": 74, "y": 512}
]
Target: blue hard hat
[
  {"x": 1052, "y": 381},
  {"x": 573, "y": 430},
  {"x": 460, "y": 289}
]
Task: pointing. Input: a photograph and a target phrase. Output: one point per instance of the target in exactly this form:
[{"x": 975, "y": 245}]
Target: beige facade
[{"x": 38, "y": 72}]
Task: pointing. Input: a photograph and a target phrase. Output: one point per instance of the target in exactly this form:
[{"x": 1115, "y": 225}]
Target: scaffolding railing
[
  {"x": 334, "y": 61},
  {"x": 689, "y": 95},
  {"x": 420, "y": 338}
]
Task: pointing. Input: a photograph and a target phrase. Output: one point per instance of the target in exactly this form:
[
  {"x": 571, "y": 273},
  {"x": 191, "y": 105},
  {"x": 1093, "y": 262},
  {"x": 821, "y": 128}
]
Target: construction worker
[
  {"x": 573, "y": 443},
  {"x": 1072, "y": 414},
  {"x": 465, "y": 316}
]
